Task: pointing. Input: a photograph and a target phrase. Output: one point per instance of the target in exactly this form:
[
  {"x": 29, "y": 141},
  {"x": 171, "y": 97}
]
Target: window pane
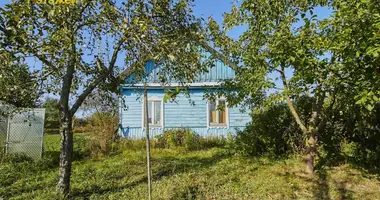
[
  {"x": 149, "y": 112},
  {"x": 222, "y": 112},
  {"x": 157, "y": 113},
  {"x": 222, "y": 117},
  {"x": 212, "y": 111}
]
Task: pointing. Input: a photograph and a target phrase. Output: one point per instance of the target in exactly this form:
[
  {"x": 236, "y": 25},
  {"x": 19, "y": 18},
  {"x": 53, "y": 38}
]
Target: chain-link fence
[{"x": 22, "y": 133}]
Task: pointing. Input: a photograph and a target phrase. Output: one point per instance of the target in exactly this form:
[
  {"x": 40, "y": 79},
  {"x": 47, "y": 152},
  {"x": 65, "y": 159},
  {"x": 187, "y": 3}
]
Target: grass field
[{"x": 180, "y": 174}]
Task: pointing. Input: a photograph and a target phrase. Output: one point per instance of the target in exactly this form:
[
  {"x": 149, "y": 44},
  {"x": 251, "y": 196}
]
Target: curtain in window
[{"x": 212, "y": 112}]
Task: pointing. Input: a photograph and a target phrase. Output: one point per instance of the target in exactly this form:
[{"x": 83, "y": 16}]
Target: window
[
  {"x": 217, "y": 113},
  {"x": 154, "y": 113}
]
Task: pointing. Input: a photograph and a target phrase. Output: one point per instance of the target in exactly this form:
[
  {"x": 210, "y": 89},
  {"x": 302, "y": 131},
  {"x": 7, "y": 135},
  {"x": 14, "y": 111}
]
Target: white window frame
[
  {"x": 150, "y": 100},
  {"x": 218, "y": 125}
]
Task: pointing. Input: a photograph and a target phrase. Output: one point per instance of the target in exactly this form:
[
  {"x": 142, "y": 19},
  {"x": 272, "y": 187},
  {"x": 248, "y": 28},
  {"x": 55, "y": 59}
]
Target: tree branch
[
  {"x": 322, "y": 124},
  {"x": 317, "y": 106},
  {"x": 289, "y": 102},
  {"x": 81, "y": 14},
  {"x": 85, "y": 93},
  {"x": 21, "y": 42},
  {"x": 218, "y": 55},
  {"x": 67, "y": 79},
  {"x": 101, "y": 78}
]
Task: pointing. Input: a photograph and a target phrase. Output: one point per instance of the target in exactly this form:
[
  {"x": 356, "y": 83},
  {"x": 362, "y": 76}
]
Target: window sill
[
  {"x": 150, "y": 126},
  {"x": 218, "y": 126}
]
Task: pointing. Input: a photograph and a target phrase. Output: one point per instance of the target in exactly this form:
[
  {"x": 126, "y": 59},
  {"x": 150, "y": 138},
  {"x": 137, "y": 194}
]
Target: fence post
[{"x": 8, "y": 132}]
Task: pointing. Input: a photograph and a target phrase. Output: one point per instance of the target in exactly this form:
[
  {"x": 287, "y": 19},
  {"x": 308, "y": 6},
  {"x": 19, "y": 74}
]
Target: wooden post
[{"x": 149, "y": 173}]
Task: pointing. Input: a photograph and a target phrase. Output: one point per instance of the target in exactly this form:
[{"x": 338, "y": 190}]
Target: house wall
[{"x": 184, "y": 112}]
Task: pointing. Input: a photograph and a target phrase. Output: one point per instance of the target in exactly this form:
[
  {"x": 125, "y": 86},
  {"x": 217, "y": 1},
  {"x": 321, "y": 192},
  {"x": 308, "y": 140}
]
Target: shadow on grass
[
  {"x": 320, "y": 188},
  {"x": 322, "y": 184},
  {"x": 368, "y": 168},
  {"x": 162, "y": 167}
]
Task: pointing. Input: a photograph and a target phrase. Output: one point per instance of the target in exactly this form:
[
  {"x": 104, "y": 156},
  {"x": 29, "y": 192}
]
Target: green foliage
[
  {"x": 133, "y": 31},
  {"x": 212, "y": 142},
  {"x": 272, "y": 132},
  {"x": 357, "y": 37},
  {"x": 81, "y": 125},
  {"x": 17, "y": 82},
  {"x": 352, "y": 135},
  {"x": 135, "y": 145},
  {"x": 320, "y": 57},
  {"x": 181, "y": 137},
  {"x": 205, "y": 174},
  {"x": 287, "y": 51},
  {"x": 103, "y": 133},
  {"x": 17, "y": 166},
  {"x": 51, "y": 115},
  {"x": 79, "y": 44},
  {"x": 16, "y": 158}
]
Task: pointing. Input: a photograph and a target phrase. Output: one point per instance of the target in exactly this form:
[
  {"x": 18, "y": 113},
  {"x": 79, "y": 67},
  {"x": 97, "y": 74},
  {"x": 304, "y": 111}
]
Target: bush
[
  {"x": 180, "y": 137},
  {"x": 211, "y": 142},
  {"x": 272, "y": 131},
  {"x": 81, "y": 125},
  {"x": 102, "y": 126},
  {"x": 356, "y": 127}
]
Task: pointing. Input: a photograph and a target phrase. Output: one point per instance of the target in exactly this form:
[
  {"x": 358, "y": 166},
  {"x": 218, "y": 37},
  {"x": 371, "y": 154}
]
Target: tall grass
[
  {"x": 209, "y": 172},
  {"x": 204, "y": 174}
]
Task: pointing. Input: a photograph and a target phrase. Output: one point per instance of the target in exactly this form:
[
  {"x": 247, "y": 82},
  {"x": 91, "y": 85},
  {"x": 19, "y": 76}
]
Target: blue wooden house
[{"x": 197, "y": 113}]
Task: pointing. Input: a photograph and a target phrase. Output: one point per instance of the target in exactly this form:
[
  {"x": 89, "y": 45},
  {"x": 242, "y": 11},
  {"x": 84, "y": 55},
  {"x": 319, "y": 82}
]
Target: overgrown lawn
[{"x": 181, "y": 174}]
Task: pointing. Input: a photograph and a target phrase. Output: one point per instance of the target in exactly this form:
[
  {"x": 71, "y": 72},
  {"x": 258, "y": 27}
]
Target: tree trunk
[
  {"x": 311, "y": 153},
  {"x": 66, "y": 132},
  {"x": 149, "y": 172}
]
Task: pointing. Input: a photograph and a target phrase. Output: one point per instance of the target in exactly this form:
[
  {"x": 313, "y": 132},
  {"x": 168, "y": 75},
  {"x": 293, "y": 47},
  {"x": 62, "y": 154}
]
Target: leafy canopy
[
  {"x": 286, "y": 42},
  {"x": 91, "y": 43}
]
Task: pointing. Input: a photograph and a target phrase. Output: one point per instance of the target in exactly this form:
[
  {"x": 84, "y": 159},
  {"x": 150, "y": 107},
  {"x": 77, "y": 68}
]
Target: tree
[
  {"x": 355, "y": 28},
  {"x": 13, "y": 71},
  {"x": 64, "y": 39},
  {"x": 320, "y": 58}
]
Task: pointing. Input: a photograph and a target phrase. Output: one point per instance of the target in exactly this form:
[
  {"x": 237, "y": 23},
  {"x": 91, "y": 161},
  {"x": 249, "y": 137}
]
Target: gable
[{"x": 218, "y": 73}]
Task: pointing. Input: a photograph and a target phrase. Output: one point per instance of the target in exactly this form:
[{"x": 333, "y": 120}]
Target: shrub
[
  {"x": 102, "y": 127},
  {"x": 357, "y": 128},
  {"x": 272, "y": 131},
  {"x": 81, "y": 125},
  {"x": 211, "y": 142},
  {"x": 180, "y": 137}
]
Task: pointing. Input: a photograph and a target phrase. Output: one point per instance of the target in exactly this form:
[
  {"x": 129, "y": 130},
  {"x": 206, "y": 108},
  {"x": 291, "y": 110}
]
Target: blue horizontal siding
[
  {"x": 184, "y": 112},
  {"x": 138, "y": 133},
  {"x": 218, "y": 73},
  {"x": 238, "y": 117}
]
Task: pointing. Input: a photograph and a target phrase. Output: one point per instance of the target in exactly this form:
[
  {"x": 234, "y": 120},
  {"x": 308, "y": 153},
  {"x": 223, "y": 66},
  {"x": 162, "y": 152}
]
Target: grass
[{"x": 180, "y": 174}]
